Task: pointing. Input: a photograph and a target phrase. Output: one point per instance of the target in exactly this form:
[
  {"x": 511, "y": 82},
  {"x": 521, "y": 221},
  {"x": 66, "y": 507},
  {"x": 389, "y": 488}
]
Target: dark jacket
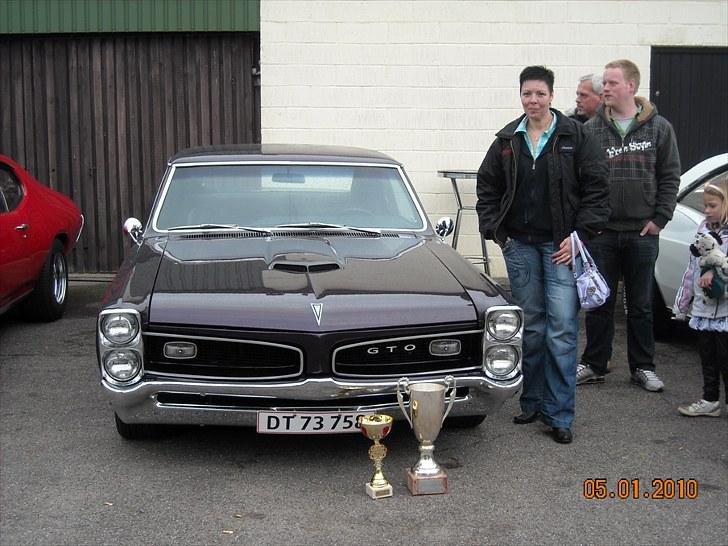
[
  {"x": 577, "y": 172},
  {"x": 644, "y": 168}
]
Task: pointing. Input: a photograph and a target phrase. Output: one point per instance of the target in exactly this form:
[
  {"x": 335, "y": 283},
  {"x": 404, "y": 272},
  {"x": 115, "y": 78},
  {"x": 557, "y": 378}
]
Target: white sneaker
[
  {"x": 701, "y": 407},
  {"x": 648, "y": 380}
]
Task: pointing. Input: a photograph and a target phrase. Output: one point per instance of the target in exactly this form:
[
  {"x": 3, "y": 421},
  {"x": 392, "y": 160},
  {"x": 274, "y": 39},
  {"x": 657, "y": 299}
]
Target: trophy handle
[
  {"x": 450, "y": 384},
  {"x": 403, "y": 385}
]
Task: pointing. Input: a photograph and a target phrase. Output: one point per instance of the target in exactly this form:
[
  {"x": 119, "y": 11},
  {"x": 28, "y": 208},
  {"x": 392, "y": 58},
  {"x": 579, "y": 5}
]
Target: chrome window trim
[
  {"x": 231, "y": 340},
  {"x": 393, "y": 339},
  {"x": 172, "y": 168}
]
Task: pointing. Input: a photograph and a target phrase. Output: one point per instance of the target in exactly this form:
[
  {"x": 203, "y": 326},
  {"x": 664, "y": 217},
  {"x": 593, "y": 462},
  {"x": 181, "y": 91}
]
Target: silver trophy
[{"x": 426, "y": 415}]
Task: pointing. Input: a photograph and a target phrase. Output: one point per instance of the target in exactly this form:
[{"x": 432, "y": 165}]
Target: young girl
[{"x": 708, "y": 316}]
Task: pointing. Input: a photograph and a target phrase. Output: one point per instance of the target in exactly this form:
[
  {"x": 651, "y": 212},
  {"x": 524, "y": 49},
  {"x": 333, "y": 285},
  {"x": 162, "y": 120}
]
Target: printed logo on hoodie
[{"x": 614, "y": 151}]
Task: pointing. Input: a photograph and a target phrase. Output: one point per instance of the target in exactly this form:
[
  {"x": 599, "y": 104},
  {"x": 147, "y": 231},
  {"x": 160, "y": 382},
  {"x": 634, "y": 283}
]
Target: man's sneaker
[
  {"x": 585, "y": 374},
  {"x": 701, "y": 407},
  {"x": 648, "y": 380}
]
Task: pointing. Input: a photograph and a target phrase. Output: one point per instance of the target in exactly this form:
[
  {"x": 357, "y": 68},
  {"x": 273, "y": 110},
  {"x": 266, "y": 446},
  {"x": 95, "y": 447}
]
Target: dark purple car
[{"x": 290, "y": 288}]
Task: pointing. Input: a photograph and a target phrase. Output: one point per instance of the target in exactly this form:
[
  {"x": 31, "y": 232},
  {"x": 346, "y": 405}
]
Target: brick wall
[{"x": 431, "y": 81}]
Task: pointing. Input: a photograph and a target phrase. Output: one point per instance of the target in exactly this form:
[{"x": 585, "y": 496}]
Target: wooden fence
[{"x": 97, "y": 116}]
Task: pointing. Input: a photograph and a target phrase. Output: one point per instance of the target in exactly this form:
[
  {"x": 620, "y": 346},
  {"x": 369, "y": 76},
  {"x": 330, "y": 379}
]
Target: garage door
[{"x": 97, "y": 116}]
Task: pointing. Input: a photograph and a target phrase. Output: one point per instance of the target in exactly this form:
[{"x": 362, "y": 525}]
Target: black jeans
[
  {"x": 625, "y": 254},
  {"x": 713, "y": 351}
]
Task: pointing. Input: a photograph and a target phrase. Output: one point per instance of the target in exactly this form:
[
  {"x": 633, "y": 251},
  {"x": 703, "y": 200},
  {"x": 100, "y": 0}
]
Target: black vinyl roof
[{"x": 279, "y": 152}]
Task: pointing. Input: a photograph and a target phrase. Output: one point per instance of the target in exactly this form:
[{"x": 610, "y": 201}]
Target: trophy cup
[
  {"x": 426, "y": 415},
  {"x": 375, "y": 427}
]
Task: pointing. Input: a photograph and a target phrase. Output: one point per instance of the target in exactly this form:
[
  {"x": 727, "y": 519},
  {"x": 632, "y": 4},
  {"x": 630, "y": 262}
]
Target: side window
[
  {"x": 11, "y": 192},
  {"x": 694, "y": 199}
]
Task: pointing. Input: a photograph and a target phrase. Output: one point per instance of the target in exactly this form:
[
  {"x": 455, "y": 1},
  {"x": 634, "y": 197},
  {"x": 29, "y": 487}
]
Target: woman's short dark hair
[{"x": 539, "y": 73}]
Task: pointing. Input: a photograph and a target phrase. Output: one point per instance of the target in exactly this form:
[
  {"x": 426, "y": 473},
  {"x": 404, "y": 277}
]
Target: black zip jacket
[{"x": 577, "y": 181}]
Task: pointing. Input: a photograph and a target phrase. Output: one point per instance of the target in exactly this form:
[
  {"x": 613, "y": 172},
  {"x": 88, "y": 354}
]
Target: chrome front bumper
[{"x": 140, "y": 403}]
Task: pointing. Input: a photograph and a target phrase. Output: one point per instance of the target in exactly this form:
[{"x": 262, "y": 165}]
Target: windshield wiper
[
  {"x": 222, "y": 226},
  {"x": 325, "y": 225}
]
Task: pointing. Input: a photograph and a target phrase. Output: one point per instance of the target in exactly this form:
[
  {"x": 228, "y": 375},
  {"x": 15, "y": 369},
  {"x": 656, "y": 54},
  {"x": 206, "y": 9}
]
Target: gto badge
[{"x": 318, "y": 309}]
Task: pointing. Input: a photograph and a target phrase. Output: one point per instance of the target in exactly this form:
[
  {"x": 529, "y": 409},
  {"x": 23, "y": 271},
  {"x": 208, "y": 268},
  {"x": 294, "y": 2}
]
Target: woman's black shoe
[
  {"x": 562, "y": 435},
  {"x": 526, "y": 417}
]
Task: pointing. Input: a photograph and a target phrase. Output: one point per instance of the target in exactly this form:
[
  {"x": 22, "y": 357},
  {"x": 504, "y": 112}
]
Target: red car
[{"x": 38, "y": 228}]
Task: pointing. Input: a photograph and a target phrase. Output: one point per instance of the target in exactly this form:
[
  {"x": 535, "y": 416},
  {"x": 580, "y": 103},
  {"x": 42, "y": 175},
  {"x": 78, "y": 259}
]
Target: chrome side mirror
[
  {"x": 444, "y": 226},
  {"x": 133, "y": 228}
]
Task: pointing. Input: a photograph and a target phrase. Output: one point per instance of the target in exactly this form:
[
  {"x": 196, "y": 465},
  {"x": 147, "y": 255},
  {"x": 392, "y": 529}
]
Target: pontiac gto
[{"x": 290, "y": 288}]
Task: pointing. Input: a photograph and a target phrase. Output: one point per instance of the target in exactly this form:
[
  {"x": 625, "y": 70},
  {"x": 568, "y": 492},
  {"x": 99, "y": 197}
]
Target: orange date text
[{"x": 634, "y": 488}]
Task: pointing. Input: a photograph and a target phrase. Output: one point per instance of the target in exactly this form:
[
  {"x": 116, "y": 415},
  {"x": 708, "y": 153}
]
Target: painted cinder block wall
[{"x": 431, "y": 81}]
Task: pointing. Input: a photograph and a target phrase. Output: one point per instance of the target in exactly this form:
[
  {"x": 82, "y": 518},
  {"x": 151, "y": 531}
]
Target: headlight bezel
[
  {"x": 108, "y": 347},
  {"x": 108, "y": 317},
  {"x": 491, "y": 323},
  {"x": 494, "y": 340},
  {"x": 115, "y": 353}
]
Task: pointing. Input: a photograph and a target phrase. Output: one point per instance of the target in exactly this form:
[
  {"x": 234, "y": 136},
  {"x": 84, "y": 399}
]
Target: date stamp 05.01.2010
[{"x": 635, "y": 488}]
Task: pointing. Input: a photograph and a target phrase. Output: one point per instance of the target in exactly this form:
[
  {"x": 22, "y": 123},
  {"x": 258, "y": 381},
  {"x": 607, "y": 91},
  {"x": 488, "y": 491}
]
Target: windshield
[{"x": 267, "y": 196}]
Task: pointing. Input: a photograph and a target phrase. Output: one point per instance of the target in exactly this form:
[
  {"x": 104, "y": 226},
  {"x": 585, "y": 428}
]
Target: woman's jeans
[{"x": 547, "y": 294}]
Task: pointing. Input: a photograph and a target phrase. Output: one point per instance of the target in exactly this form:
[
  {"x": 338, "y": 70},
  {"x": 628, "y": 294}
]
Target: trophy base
[
  {"x": 379, "y": 492},
  {"x": 426, "y": 485}
]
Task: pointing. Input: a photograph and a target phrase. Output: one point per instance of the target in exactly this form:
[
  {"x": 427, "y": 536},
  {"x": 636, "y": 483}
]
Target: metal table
[{"x": 454, "y": 176}]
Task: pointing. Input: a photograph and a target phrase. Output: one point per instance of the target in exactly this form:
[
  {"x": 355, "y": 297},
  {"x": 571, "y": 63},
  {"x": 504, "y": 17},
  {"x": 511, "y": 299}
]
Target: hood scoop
[
  {"x": 305, "y": 268},
  {"x": 298, "y": 262}
]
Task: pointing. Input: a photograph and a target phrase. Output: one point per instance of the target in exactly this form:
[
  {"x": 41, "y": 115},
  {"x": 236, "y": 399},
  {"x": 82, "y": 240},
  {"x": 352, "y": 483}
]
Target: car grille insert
[
  {"x": 407, "y": 356},
  {"x": 219, "y": 358}
]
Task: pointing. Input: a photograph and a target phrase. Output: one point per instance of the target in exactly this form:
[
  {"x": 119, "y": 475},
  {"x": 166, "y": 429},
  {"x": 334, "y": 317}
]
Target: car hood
[{"x": 306, "y": 283}]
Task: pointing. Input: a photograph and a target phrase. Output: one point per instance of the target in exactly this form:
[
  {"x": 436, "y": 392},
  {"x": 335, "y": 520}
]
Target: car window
[
  {"x": 272, "y": 195},
  {"x": 11, "y": 192},
  {"x": 694, "y": 199}
]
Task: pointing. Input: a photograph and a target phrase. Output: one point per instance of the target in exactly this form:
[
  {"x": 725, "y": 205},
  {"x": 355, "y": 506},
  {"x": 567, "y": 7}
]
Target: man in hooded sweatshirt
[{"x": 644, "y": 176}]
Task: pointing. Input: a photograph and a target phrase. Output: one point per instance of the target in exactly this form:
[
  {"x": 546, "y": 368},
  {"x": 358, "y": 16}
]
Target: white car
[{"x": 680, "y": 233}]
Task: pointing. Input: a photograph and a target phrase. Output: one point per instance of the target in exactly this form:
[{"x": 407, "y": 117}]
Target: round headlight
[
  {"x": 122, "y": 365},
  {"x": 501, "y": 360},
  {"x": 503, "y": 325},
  {"x": 119, "y": 328}
]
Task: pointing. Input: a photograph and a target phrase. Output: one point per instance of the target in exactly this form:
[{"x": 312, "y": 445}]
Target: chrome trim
[
  {"x": 516, "y": 341},
  {"x": 80, "y": 230},
  {"x": 138, "y": 403},
  {"x": 171, "y": 168},
  {"x": 105, "y": 346},
  {"x": 231, "y": 340},
  {"x": 393, "y": 339}
]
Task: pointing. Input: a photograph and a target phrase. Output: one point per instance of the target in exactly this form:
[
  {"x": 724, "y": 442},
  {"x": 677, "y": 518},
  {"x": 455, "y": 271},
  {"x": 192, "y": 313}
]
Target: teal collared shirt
[{"x": 543, "y": 139}]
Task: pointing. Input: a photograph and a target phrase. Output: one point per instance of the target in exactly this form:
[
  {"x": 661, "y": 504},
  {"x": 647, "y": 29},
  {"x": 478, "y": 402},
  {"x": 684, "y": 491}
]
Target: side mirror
[
  {"x": 444, "y": 226},
  {"x": 133, "y": 228}
]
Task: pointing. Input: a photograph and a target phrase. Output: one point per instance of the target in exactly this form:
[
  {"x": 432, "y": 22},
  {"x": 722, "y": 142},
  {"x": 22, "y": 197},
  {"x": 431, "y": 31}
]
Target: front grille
[
  {"x": 219, "y": 358},
  {"x": 407, "y": 356}
]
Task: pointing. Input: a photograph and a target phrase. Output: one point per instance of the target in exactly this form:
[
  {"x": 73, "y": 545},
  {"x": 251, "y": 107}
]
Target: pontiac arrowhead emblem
[{"x": 318, "y": 310}]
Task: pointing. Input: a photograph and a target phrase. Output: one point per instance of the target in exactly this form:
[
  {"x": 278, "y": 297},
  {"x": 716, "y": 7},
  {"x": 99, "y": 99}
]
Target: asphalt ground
[{"x": 66, "y": 477}]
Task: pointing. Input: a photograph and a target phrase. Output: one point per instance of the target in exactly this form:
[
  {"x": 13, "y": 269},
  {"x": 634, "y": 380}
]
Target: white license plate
[{"x": 280, "y": 422}]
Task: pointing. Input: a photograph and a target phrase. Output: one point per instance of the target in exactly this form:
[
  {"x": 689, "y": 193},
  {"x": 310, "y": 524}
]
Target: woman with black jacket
[{"x": 542, "y": 178}]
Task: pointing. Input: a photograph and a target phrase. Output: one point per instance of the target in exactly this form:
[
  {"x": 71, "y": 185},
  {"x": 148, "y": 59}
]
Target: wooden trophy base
[
  {"x": 380, "y": 492},
  {"x": 430, "y": 485}
]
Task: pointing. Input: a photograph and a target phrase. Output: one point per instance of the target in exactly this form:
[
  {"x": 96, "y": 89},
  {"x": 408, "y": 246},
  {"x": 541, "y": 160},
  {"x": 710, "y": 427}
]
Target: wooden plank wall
[{"x": 96, "y": 117}]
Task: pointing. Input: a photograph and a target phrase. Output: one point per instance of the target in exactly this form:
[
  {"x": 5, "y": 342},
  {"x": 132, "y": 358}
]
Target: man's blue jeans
[
  {"x": 547, "y": 294},
  {"x": 631, "y": 256}
]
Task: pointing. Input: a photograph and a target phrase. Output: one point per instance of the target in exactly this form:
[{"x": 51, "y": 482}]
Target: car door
[{"x": 15, "y": 247}]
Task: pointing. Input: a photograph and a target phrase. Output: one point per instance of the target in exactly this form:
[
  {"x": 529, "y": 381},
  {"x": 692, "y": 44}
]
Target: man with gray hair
[{"x": 588, "y": 97}]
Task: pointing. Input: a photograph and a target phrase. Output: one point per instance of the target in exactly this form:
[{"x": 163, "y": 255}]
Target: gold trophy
[
  {"x": 426, "y": 415},
  {"x": 375, "y": 427}
]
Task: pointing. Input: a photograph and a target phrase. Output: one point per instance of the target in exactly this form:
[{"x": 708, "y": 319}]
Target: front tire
[
  {"x": 48, "y": 299},
  {"x": 465, "y": 421},
  {"x": 135, "y": 431}
]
